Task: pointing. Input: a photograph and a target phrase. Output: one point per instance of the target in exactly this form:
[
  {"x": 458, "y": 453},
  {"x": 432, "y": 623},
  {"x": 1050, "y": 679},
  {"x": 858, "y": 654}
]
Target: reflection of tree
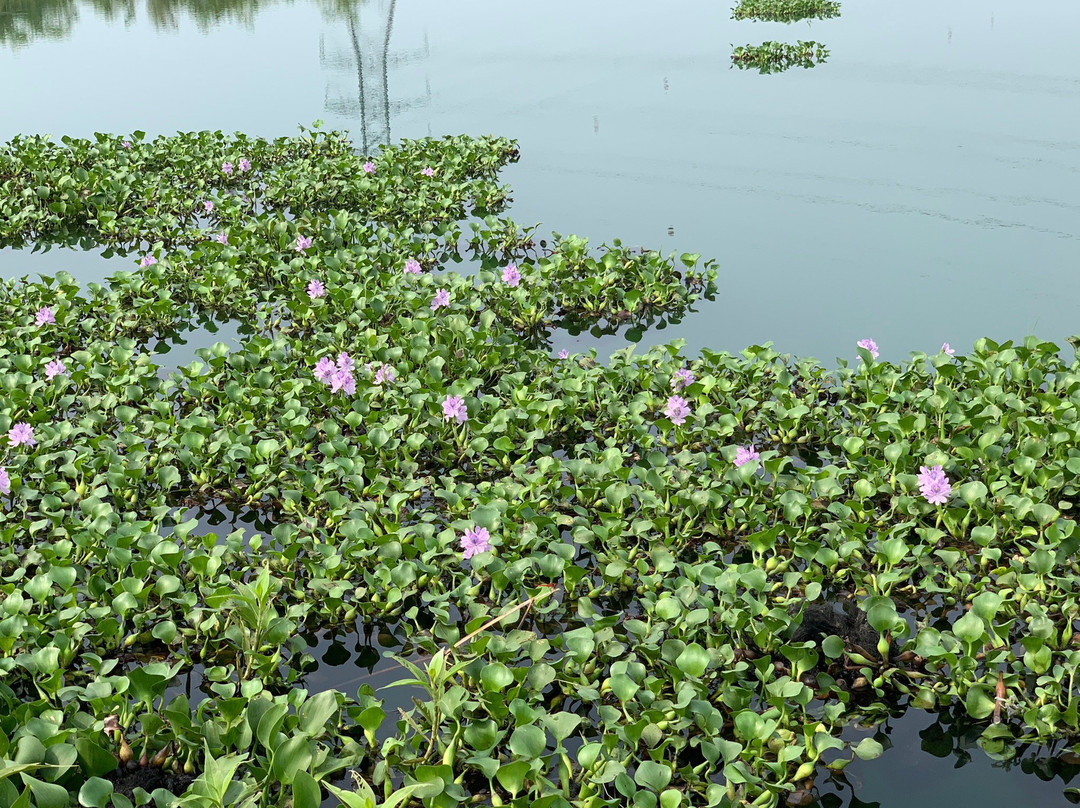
[{"x": 22, "y": 21}]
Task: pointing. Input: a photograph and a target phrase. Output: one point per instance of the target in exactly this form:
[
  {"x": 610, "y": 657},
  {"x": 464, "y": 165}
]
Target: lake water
[{"x": 922, "y": 185}]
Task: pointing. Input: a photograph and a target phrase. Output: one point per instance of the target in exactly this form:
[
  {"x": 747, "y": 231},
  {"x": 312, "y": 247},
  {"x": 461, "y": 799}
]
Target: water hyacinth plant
[
  {"x": 659, "y": 625},
  {"x": 785, "y": 10},
  {"x": 776, "y": 57}
]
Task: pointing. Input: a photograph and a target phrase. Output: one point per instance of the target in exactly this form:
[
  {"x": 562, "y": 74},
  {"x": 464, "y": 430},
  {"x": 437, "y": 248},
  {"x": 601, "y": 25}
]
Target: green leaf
[
  {"x": 869, "y": 749},
  {"x": 528, "y": 741},
  {"x": 832, "y": 646},
  {"x": 693, "y": 660},
  {"x": 495, "y": 677},
  {"x": 972, "y": 492},
  {"x": 511, "y": 776},
  {"x": 306, "y": 792},
  {"x": 47, "y": 795},
  {"x": 969, "y": 628},
  {"x": 652, "y": 775},
  {"x": 291, "y": 757}
]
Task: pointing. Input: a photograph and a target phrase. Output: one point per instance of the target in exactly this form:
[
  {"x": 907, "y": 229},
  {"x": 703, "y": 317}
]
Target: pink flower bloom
[
  {"x": 385, "y": 373},
  {"x": 412, "y": 267},
  {"x": 55, "y": 368},
  {"x": 869, "y": 345},
  {"x": 564, "y": 354},
  {"x": 245, "y": 165},
  {"x": 342, "y": 380},
  {"x": 682, "y": 379},
  {"x": 316, "y": 289},
  {"x": 442, "y": 298},
  {"x": 476, "y": 540},
  {"x": 677, "y": 409},
  {"x": 44, "y": 315},
  {"x": 744, "y": 454},
  {"x": 369, "y": 167},
  {"x": 5, "y": 482},
  {"x": 147, "y": 261},
  {"x": 208, "y": 205},
  {"x": 345, "y": 362},
  {"x": 428, "y": 172},
  {"x": 325, "y": 369},
  {"x": 453, "y": 407},
  {"x": 226, "y": 167},
  {"x": 223, "y": 238},
  {"x": 126, "y": 144},
  {"x": 947, "y": 349},
  {"x": 934, "y": 485},
  {"x": 22, "y": 434},
  {"x": 302, "y": 243},
  {"x": 510, "y": 275}
]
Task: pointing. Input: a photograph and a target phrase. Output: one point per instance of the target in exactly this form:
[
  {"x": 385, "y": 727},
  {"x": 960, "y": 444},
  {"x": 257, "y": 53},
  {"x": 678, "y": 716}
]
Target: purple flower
[
  {"x": 325, "y": 369},
  {"x": 223, "y": 237},
  {"x": 22, "y": 434},
  {"x": 682, "y": 379},
  {"x": 126, "y": 144},
  {"x": 934, "y": 485},
  {"x": 147, "y": 261},
  {"x": 385, "y": 373},
  {"x": 428, "y": 172},
  {"x": 869, "y": 345},
  {"x": 55, "y": 368},
  {"x": 208, "y": 205},
  {"x": 453, "y": 407},
  {"x": 412, "y": 267},
  {"x": 345, "y": 362},
  {"x": 5, "y": 482},
  {"x": 226, "y": 167},
  {"x": 947, "y": 349},
  {"x": 564, "y": 354},
  {"x": 302, "y": 243},
  {"x": 44, "y": 315},
  {"x": 744, "y": 454},
  {"x": 342, "y": 380},
  {"x": 510, "y": 275},
  {"x": 316, "y": 289},
  {"x": 677, "y": 409},
  {"x": 369, "y": 167},
  {"x": 245, "y": 165},
  {"x": 442, "y": 298},
  {"x": 475, "y": 541}
]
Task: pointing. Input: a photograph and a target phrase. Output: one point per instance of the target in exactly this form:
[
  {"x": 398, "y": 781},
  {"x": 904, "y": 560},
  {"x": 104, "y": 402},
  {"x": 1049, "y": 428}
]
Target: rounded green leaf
[
  {"x": 693, "y": 660},
  {"x": 528, "y": 741}
]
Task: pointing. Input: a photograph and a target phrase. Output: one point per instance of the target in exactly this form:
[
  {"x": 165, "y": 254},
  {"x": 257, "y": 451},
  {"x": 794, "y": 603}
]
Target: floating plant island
[{"x": 651, "y": 580}]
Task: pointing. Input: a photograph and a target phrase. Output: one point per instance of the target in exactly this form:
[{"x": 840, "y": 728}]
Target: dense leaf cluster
[{"x": 635, "y": 635}]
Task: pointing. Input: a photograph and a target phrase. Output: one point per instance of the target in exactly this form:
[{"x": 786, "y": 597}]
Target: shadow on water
[
  {"x": 937, "y": 760},
  {"x": 177, "y": 349}
]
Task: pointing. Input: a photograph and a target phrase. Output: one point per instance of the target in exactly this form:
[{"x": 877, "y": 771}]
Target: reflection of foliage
[
  {"x": 776, "y": 57},
  {"x": 785, "y": 10},
  {"x": 23, "y": 20}
]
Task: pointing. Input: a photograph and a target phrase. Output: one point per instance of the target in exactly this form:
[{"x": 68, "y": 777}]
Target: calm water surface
[{"x": 923, "y": 185}]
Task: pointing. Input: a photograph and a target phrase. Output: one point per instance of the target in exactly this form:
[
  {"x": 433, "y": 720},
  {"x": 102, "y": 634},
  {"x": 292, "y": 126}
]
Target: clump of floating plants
[
  {"x": 657, "y": 581},
  {"x": 776, "y": 57},
  {"x": 785, "y": 10}
]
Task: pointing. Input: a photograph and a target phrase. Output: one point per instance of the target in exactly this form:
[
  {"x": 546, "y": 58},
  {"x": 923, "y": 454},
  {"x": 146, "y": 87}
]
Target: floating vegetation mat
[
  {"x": 659, "y": 581},
  {"x": 785, "y": 10},
  {"x": 776, "y": 57}
]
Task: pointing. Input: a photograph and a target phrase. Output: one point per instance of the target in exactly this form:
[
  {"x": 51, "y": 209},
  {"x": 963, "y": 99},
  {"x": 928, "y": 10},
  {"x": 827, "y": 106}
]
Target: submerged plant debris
[
  {"x": 785, "y": 10},
  {"x": 776, "y": 57},
  {"x": 657, "y": 581}
]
